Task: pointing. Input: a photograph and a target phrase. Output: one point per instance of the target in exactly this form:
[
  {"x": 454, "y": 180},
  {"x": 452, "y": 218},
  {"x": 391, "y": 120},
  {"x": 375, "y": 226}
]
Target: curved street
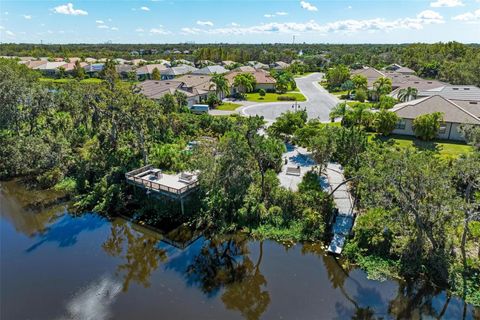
[{"x": 319, "y": 101}]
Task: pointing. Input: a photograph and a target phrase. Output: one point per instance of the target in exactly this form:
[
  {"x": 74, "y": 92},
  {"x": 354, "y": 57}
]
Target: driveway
[{"x": 318, "y": 104}]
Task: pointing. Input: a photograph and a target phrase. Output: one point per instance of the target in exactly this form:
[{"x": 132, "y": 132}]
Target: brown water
[{"x": 58, "y": 266}]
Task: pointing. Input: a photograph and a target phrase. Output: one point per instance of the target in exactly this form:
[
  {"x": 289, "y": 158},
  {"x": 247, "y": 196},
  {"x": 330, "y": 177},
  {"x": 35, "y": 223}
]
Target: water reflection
[
  {"x": 139, "y": 250},
  {"x": 94, "y": 302},
  {"x": 65, "y": 231}
]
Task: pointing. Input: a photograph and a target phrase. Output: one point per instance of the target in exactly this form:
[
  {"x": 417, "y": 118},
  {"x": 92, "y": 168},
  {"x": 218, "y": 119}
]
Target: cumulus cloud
[
  {"x": 10, "y": 33},
  {"x": 342, "y": 26},
  {"x": 470, "y": 17},
  {"x": 267, "y": 15},
  {"x": 234, "y": 24},
  {"x": 114, "y": 28},
  {"x": 159, "y": 31},
  {"x": 308, "y": 6},
  {"x": 100, "y": 21},
  {"x": 102, "y": 26},
  {"x": 2, "y": 27},
  {"x": 28, "y": 17},
  {"x": 139, "y": 30},
  {"x": 69, "y": 10},
  {"x": 281, "y": 13},
  {"x": 205, "y": 23},
  {"x": 145, "y": 8},
  {"x": 446, "y": 3}
]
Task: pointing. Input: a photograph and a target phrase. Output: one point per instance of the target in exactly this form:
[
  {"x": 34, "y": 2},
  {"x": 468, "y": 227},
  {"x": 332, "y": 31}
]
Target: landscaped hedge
[{"x": 286, "y": 98}]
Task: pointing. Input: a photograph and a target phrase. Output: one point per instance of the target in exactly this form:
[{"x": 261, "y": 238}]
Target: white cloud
[
  {"x": 281, "y": 13},
  {"x": 10, "y": 33},
  {"x": 69, "y": 10},
  {"x": 100, "y": 21},
  {"x": 349, "y": 7},
  {"x": 308, "y": 6},
  {"x": 102, "y": 26},
  {"x": 159, "y": 31},
  {"x": 114, "y": 28},
  {"x": 28, "y": 17},
  {"x": 234, "y": 24},
  {"x": 471, "y": 17},
  {"x": 145, "y": 8},
  {"x": 446, "y": 3},
  {"x": 269, "y": 15},
  {"x": 342, "y": 26},
  {"x": 2, "y": 27},
  {"x": 205, "y": 23},
  {"x": 139, "y": 30}
]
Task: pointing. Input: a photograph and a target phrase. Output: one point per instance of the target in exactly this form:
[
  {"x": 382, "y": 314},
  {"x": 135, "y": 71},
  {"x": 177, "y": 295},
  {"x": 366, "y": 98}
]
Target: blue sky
[{"x": 235, "y": 21}]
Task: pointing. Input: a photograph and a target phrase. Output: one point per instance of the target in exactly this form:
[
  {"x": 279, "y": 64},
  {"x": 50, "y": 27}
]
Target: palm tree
[
  {"x": 220, "y": 83},
  {"x": 245, "y": 82},
  {"x": 407, "y": 94},
  {"x": 339, "y": 111},
  {"x": 382, "y": 86}
]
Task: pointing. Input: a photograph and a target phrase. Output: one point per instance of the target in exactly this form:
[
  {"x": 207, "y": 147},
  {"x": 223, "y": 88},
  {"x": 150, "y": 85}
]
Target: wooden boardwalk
[{"x": 344, "y": 204}]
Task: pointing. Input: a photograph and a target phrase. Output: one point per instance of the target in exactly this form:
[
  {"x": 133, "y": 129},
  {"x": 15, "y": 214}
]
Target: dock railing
[{"x": 155, "y": 186}]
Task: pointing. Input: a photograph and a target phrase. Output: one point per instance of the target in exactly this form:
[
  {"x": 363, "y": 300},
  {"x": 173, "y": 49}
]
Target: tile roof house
[
  {"x": 370, "y": 73},
  {"x": 454, "y": 92},
  {"x": 454, "y": 115},
  {"x": 279, "y": 65},
  {"x": 263, "y": 79},
  {"x": 124, "y": 69},
  {"x": 170, "y": 73},
  {"x": 33, "y": 64},
  {"x": 211, "y": 70},
  {"x": 71, "y": 66},
  {"x": 145, "y": 72},
  {"x": 245, "y": 69},
  {"x": 399, "y": 69},
  {"x": 227, "y": 63},
  {"x": 49, "y": 68},
  {"x": 196, "y": 88}
]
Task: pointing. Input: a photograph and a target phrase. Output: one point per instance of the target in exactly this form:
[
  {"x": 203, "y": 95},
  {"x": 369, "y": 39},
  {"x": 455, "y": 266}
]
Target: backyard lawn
[
  {"x": 446, "y": 148},
  {"x": 228, "y": 106},
  {"x": 273, "y": 97}
]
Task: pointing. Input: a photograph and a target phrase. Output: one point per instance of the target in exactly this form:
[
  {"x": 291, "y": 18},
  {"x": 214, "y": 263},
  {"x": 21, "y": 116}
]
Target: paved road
[{"x": 318, "y": 104}]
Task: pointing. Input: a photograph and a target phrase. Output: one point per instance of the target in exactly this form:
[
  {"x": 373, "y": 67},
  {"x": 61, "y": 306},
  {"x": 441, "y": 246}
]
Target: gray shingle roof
[{"x": 453, "y": 92}]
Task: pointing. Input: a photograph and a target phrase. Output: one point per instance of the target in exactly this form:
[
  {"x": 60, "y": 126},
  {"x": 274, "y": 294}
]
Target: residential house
[
  {"x": 454, "y": 92},
  {"x": 145, "y": 72},
  {"x": 263, "y": 80},
  {"x": 399, "y": 69},
  {"x": 49, "y": 68},
  {"x": 32, "y": 64},
  {"x": 123, "y": 70},
  {"x": 69, "y": 67},
  {"x": 227, "y": 63},
  {"x": 195, "y": 87},
  {"x": 211, "y": 70},
  {"x": 94, "y": 69},
  {"x": 90, "y": 60},
  {"x": 170, "y": 73},
  {"x": 279, "y": 65},
  {"x": 137, "y": 62},
  {"x": 454, "y": 115},
  {"x": 244, "y": 69}
]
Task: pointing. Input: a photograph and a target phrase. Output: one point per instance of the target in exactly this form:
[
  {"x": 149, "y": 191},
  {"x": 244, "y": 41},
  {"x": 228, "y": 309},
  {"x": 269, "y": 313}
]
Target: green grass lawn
[
  {"x": 228, "y": 106},
  {"x": 272, "y": 97},
  {"x": 445, "y": 148},
  {"x": 67, "y": 80}
]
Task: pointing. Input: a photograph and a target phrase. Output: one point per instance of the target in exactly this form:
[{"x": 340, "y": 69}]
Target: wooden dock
[{"x": 345, "y": 214}]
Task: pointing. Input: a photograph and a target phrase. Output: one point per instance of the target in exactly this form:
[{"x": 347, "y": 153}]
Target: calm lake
[{"x": 54, "y": 265}]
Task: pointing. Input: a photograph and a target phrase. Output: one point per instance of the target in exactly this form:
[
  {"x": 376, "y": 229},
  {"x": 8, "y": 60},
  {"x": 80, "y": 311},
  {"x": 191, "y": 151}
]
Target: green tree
[
  {"x": 360, "y": 82},
  {"x": 244, "y": 82},
  {"x": 78, "y": 71},
  {"x": 336, "y": 76},
  {"x": 262, "y": 92},
  {"x": 385, "y": 122},
  {"x": 382, "y": 86},
  {"x": 155, "y": 74},
  {"x": 407, "y": 94},
  {"x": 339, "y": 111},
  {"x": 386, "y": 102},
  {"x": 426, "y": 126},
  {"x": 348, "y": 86},
  {"x": 360, "y": 95},
  {"x": 220, "y": 83}
]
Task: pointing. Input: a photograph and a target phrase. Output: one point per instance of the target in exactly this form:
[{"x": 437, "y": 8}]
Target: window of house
[
  {"x": 443, "y": 128},
  {"x": 401, "y": 124}
]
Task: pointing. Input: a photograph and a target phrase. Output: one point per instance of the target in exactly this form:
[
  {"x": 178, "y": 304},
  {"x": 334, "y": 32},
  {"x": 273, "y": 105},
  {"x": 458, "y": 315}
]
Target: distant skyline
[{"x": 234, "y": 21}]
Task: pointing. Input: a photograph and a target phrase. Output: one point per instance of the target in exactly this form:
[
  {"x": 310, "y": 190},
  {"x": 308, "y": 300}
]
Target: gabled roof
[
  {"x": 245, "y": 69},
  {"x": 452, "y": 112},
  {"x": 261, "y": 77},
  {"x": 179, "y": 70},
  {"x": 49, "y": 66},
  {"x": 197, "y": 81},
  {"x": 454, "y": 92},
  {"x": 369, "y": 73},
  {"x": 211, "y": 70},
  {"x": 148, "y": 68}
]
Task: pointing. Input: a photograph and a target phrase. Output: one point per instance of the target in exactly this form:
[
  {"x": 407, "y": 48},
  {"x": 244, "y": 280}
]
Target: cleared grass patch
[
  {"x": 273, "y": 97},
  {"x": 445, "y": 148},
  {"x": 228, "y": 106}
]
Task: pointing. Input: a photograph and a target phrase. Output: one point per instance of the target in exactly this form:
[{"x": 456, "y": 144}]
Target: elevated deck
[
  {"x": 345, "y": 215},
  {"x": 171, "y": 185}
]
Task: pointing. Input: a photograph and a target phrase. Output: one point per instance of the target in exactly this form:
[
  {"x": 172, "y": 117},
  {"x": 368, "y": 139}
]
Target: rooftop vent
[
  {"x": 473, "y": 102},
  {"x": 466, "y": 88},
  {"x": 455, "y": 88}
]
